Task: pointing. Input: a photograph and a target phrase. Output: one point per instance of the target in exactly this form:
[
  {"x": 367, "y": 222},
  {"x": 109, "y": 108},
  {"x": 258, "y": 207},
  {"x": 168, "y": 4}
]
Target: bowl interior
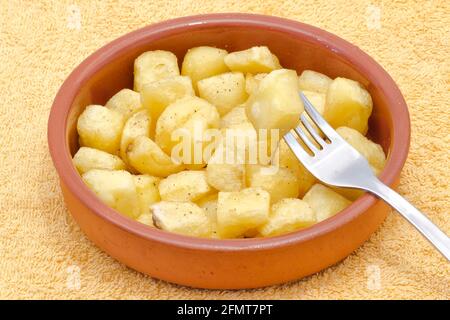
[{"x": 298, "y": 53}]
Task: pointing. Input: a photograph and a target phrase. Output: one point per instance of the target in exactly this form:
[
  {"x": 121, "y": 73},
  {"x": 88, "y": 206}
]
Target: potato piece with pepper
[
  {"x": 276, "y": 104},
  {"x": 185, "y": 186},
  {"x": 209, "y": 204},
  {"x": 314, "y": 81},
  {"x": 88, "y": 158},
  {"x": 325, "y": 202},
  {"x": 236, "y": 116},
  {"x": 240, "y": 213},
  {"x": 126, "y": 102},
  {"x": 137, "y": 125},
  {"x": 225, "y": 91},
  {"x": 147, "y": 191},
  {"x": 152, "y": 66},
  {"x": 253, "y": 60},
  {"x": 348, "y": 104},
  {"x": 277, "y": 181},
  {"x": 225, "y": 175},
  {"x": 157, "y": 95},
  {"x": 182, "y": 217},
  {"x": 114, "y": 188},
  {"x": 100, "y": 128},
  {"x": 203, "y": 62},
  {"x": 288, "y": 215},
  {"x": 147, "y": 157},
  {"x": 185, "y": 123}
]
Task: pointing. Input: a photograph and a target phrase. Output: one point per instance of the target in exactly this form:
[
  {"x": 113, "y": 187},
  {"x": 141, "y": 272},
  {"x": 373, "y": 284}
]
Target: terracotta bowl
[{"x": 242, "y": 263}]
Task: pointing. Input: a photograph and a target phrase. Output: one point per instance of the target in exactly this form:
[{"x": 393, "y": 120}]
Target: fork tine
[
  {"x": 315, "y": 116},
  {"x": 306, "y": 140},
  {"x": 297, "y": 149},
  {"x": 312, "y": 131}
]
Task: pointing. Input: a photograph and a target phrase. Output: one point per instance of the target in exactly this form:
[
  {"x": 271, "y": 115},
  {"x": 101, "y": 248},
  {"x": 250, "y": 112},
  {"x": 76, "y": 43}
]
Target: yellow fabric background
[{"x": 41, "y": 248}]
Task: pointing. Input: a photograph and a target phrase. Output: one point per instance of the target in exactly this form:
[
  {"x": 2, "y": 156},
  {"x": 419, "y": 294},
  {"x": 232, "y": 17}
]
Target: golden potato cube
[
  {"x": 203, "y": 62},
  {"x": 236, "y": 116},
  {"x": 138, "y": 124},
  {"x": 314, "y": 81},
  {"x": 152, "y": 66},
  {"x": 181, "y": 217},
  {"x": 325, "y": 202},
  {"x": 185, "y": 186},
  {"x": 147, "y": 191},
  {"x": 276, "y": 104},
  {"x": 348, "y": 104},
  {"x": 126, "y": 102},
  {"x": 146, "y": 218},
  {"x": 238, "y": 146},
  {"x": 157, "y": 95},
  {"x": 147, "y": 157},
  {"x": 285, "y": 158},
  {"x": 209, "y": 204},
  {"x": 288, "y": 215},
  {"x": 225, "y": 175},
  {"x": 252, "y": 82},
  {"x": 242, "y": 212},
  {"x": 115, "y": 188},
  {"x": 184, "y": 123},
  {"x": 88, "y": 158},
  {"x": 277, "y": 181},
  {"x": 253, "y": 60},
  {"x": 225, "y": 91},
  {"x": 100, "y": 128}
]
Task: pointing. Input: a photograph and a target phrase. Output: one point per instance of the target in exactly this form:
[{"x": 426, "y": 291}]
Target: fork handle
[{"x": 428, "y": 229}]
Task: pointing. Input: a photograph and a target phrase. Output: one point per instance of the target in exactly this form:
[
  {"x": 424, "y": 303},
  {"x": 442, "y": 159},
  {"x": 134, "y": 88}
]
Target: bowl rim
[{"x": 59, "y": 150}]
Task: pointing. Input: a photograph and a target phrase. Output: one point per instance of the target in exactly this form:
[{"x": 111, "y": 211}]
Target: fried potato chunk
[
  {"x": 276, "y": 104},
  {"x": 253, "y": 60},
  {"x": 277, "y": 181},
  {"x": 288, "y": 215},
  {"x": 147, "y": 192},
  {"x": 184, "y": 124},
  {"x": 240, "y": 213},
  {"x": 138, "y": 124},
  {"x": 203, "y": 62},
  {"x": 114, "y": 188},
  {"x": 152, "y": 66},
  {"x": 325, "y": 202},
  {"x": 314, "y": 81},
  {"x": 100, "y": 128},
  {"x": 147, "y": 157},
  {"x": 348, "y": 104},
  {"x": 225, "y": 91},
  {"x": 182, "y": 217},
  {"x": 88, "y": 158},
  {"x": 185, "y": 186},
  {"x": 126, "y": 102},
  {"x": 157, "y": 95}
]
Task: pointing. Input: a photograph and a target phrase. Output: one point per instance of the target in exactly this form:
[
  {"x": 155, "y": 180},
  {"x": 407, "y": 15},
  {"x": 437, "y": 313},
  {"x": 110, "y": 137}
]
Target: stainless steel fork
[{"x": 335, "y": 162}]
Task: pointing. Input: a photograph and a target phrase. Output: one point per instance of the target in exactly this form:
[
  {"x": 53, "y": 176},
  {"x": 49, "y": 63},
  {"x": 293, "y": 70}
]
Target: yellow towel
[{"x": 43, "y": 253}]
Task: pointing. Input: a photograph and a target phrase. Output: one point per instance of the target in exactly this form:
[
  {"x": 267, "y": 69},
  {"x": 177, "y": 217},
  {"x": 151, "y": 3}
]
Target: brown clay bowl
[{"x": 242, "y": 263}]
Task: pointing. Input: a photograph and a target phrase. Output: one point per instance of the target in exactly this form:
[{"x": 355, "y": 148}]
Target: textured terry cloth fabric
[{"x": 43, "y": 253}]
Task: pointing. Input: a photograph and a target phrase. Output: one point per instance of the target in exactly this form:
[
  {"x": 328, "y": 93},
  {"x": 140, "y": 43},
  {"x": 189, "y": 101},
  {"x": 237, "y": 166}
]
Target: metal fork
[{"x": 335, "y": 162}]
